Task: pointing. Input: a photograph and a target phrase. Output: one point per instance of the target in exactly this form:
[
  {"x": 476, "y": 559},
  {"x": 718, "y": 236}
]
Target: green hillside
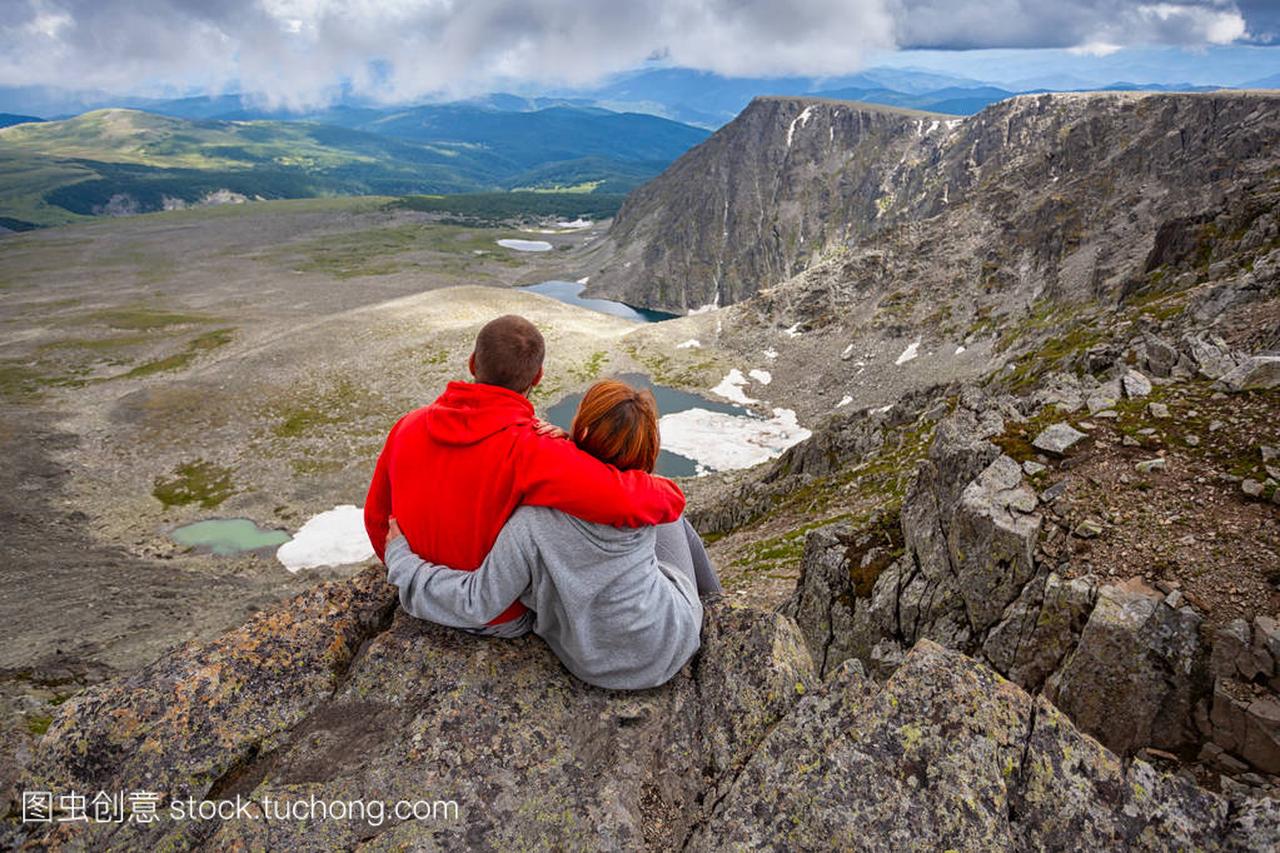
[{"x": 127, "y": 161}]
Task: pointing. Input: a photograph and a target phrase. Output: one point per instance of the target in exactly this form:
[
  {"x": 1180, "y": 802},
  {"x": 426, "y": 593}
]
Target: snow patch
[
  {"x": 793, "y": 331},
  {"x": 844, "y": 401},
  {"x": 526, "y": 245},
  {"x": 576, "y": 223},
  {"x": 909, "y": 353},
  {"x": 802, "y": 119},
  {"x": 584, "y": 279},
  {"x": 959, "y": 350},
  {"x": 710, "y": 306},
  {"x": 692, "y": 343},
  {"x": 770, "y": 353},
  {"x": 333, "y": 538},
  {"x": 722, "y": 441},
  {"x": 764, "y": 377},
  {"x": 847, "y": 352},
  {"x": 731, "y": 388}
]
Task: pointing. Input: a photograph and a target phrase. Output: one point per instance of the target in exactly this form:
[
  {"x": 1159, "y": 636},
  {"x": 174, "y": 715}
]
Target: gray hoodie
[{"x": 613, "y": 613}]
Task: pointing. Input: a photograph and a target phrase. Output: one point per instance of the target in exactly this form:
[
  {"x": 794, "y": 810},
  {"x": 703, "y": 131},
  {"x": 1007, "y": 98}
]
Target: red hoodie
[{"x": 453, "y": 472}]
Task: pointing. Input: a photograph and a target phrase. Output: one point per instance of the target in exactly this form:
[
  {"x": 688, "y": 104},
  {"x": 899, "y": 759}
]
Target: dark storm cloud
[
  {"x": 298, "y": 52},
  {"x": 1263, "y": 19},
  {"x": 1090, "y": 24}
]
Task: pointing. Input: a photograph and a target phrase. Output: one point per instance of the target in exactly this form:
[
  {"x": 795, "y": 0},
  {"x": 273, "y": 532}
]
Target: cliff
[{"x": 1062, "y": 191}]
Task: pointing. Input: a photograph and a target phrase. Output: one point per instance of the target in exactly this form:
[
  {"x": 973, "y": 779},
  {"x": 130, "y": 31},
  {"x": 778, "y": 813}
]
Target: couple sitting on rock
[{"x": 492, "y": 521}]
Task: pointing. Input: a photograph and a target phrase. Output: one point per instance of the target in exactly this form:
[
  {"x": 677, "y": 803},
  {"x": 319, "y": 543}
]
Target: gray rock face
[
  {"x": 1236, "y": 656},
  {"x": 1058, "y": 438},
  {"x": 1160, "y": 357},
  {"x": 1125, "y": 662},
  {"x": 751, "y": 205},
  {"x": 1247, "y": 725},
  {"x": 1211, "y": 359},
  {"x": 1245, "y": 715},
  {"x": 1135, "y": 384},
  {"x": 1134, "y": 675},
  {"x": 992, "y": 539},
  {"x": 792, "y": 179},
  {"x": 856, "y": 767},
  {"x": 1040, "y": 628}
]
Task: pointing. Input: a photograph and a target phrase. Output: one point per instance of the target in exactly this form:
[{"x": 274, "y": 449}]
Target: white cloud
[
  {"x": 1096, "y": 48},
  {"x": 300, "y": 53}
]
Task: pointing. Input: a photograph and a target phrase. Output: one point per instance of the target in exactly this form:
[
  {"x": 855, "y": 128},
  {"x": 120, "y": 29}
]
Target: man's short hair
[{"x": 509, "y": 353}]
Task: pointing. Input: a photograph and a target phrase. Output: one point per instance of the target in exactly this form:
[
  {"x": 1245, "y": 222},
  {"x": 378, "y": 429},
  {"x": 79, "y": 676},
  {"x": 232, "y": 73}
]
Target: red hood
[{"x": 468, "y": 412}]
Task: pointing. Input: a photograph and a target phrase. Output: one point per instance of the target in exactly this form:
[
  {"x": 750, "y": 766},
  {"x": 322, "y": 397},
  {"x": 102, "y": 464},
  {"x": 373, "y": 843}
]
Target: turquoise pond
[
  {"x": 227, "y": 536},
  {"x": 670, "y": 400},
  {"x": 570, "y": 292}
]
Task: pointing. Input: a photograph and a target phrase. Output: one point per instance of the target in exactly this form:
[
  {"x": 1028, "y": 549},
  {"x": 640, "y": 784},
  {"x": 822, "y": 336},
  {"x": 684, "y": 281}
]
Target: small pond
[
  {"x": 227, "y": 536},
  {"x": 571, "y": 293},
  {"x": 670, "y": 401}
]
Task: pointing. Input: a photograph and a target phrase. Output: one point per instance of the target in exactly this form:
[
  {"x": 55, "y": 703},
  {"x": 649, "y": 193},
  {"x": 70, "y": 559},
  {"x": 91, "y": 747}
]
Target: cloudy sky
[{"x": 302, "y": 53}]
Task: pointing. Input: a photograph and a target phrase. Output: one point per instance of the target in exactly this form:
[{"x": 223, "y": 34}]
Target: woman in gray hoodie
[{"x": 620, "y": 607}]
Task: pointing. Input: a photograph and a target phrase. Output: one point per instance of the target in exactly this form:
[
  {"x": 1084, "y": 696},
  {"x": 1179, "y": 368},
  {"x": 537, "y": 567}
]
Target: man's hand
[
  {"x": 541, "y": 427},
  {"x": 393, "y": 530}
]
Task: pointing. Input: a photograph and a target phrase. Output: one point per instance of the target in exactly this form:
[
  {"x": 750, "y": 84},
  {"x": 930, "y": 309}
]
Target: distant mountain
[
  {"x": 9, "y": 119},
  {"x": 1272, "y": 82},
  {"x": 704, "y": 98},
  {"x": 524, "y": 133},
  {"x": 126, "y": 161},
  {"x": 771, "y": 193},
  {"x": 547, "y": 135},
  {"x": 759, "y": 200},
  {"x": 955, "y": 100}
]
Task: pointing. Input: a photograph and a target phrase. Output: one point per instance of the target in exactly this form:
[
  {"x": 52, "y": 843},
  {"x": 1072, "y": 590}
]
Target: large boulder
[
  {"x": 1247, "y": 723},
  {"x": 184, "y": 722},
  {"x": 1137, "y": 671},
  {"x": 949, "y": 755},
  {"x": 1211, "y": 359},
  {"x": 285, "y": 708},
  {"x": 1257, "y": 372},
  {"x": 992, "y": 540}
]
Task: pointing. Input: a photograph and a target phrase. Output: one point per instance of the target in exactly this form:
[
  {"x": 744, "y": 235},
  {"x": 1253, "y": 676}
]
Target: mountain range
[
  {"x": 693, "y": 97},
  {"x": 139, "y": 154},
  {"x": 130, "y": 161},
  {"x": 792, "y": 180}
]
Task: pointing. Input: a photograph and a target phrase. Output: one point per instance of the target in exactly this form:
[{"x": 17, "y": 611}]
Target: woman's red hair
[{"x": 618, "y": 424}]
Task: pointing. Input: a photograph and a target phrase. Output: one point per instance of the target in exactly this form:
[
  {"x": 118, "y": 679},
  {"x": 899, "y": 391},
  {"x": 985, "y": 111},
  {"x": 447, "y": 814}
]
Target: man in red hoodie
[{"x": 452, "y": 473}]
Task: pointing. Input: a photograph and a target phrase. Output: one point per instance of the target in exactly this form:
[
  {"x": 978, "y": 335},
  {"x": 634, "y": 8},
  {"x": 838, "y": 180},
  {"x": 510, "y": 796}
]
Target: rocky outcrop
[
  {"x": 1134, "y": 675},
  {"x": 856, "y": 766},
  {"x": 1244, "y": 718},
  {"x": 292, "y": 706},
  {"x": 1127, "y": 663},
  {"x": 334, "y": 700}
]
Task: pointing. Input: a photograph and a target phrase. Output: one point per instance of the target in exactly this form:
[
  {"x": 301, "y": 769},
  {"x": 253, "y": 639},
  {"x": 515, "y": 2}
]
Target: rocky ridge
[
  {"x": 335, "y": 697},
  {"x": 1005, "y": 527}
]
